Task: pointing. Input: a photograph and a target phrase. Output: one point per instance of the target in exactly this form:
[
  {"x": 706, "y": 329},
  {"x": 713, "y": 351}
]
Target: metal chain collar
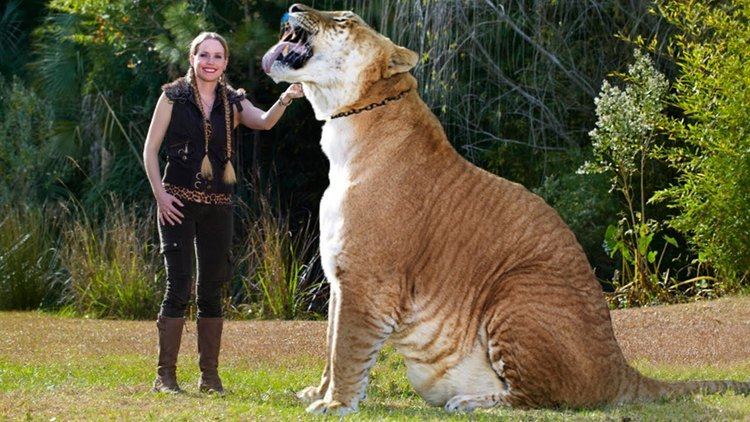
[{"x": 370, "y": 106}]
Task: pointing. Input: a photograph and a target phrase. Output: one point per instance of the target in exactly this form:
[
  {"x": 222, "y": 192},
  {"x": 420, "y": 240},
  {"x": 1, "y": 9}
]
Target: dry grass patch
[{"x": 39, "y": 338}]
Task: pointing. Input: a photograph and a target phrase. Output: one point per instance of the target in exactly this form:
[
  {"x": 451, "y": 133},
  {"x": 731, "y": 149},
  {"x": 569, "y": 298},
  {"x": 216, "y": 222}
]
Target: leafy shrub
[
  {"x": 711, "y": 146},
  {"x": 31, "y": 162},
  {"x": 29, "y": 258},
  {"x": 623, "y": 141},
  {"x": 114, "y": 268}
]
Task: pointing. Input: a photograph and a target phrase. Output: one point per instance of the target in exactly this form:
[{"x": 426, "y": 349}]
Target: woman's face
[{"x": 210, "y": 60}]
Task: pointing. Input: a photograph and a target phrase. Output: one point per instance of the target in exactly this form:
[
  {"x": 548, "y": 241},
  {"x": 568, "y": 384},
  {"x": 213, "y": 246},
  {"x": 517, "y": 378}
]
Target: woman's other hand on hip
[{"x": 167, "y": 209}]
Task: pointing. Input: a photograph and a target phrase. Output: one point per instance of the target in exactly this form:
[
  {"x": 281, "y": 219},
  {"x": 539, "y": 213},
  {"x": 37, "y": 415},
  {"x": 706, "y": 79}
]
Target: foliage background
[{"x": 513, "y": 81}]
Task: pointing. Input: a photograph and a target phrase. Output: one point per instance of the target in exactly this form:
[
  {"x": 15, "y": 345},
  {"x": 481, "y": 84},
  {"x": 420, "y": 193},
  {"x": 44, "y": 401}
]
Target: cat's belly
[{"x": 439, "y": 373}]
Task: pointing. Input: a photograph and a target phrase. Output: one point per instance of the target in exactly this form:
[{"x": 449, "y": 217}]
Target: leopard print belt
[{"x": 188, "y": 194}]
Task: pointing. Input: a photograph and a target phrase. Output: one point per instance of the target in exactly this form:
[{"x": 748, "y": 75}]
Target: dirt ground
[
  {"x": 712, "y": 332},
  {"x": 704, "y": 333}
]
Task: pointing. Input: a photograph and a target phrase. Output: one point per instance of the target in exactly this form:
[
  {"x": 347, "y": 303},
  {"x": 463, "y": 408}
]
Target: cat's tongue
[{"x": 282, "y": 48}]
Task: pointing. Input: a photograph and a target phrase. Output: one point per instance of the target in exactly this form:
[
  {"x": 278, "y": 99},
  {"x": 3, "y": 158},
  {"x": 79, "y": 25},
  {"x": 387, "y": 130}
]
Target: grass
[
  {"x": 28, "y": 257},
  {"x": 116, "y": 387},
  {"x": 65, "y": 368},
  {"x": 281, "y": 279},
  {"x": 114, "y": 270},
  {"x": 56, "y": 257}
]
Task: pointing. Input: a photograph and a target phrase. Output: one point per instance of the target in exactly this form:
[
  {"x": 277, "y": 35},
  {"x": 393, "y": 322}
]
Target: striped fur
[{"x": 475, "y": 280}]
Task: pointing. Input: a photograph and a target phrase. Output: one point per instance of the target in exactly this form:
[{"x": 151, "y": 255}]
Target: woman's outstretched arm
[
  {"x": 167, "y": 212},
  {"x": 255, "y": 118}
]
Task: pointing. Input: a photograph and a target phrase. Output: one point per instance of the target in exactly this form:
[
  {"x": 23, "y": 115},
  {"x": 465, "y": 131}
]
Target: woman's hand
[
  {"x": 294, "y": 91},
  {"x": 167, "y": 211}
]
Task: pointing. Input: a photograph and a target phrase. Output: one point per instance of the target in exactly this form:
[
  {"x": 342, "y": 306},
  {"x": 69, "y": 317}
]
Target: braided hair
[{"x": 206, "y": 168}]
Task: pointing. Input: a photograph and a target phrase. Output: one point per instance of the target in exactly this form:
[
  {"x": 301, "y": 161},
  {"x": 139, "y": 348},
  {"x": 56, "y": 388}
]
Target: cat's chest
[{"x": 337, "y": 142}]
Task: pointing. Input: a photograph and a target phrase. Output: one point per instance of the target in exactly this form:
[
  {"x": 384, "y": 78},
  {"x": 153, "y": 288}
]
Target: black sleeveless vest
[{"x": 185, "y": 143}]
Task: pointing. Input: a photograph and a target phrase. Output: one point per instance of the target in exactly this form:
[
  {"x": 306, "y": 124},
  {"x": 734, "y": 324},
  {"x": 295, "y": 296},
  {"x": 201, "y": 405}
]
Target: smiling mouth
[{"x": 293, "y": 50}]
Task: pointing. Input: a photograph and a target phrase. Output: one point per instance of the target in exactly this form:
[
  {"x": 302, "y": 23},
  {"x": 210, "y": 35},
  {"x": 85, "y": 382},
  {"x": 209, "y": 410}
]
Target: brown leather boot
[
  {"x": 209, "y": 343},
  {"x": 170, "y": 335}
]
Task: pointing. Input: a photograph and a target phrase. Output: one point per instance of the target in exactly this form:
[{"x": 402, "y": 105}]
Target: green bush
[
  {"x": 31, "y": 161},
  {"x": 711, "y": 146},
  {"x": 29, "y": 258},
  {"x": 585, "y": 204},
  {"x": 114, "y": 268}
]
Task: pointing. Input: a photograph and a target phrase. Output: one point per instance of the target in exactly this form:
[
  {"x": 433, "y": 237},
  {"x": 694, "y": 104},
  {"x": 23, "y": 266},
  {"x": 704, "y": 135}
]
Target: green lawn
[{"x": 74, "y": 376}]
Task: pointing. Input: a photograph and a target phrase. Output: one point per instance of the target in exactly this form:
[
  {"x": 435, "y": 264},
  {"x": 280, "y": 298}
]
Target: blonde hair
[{"x": 206, "y": 168}]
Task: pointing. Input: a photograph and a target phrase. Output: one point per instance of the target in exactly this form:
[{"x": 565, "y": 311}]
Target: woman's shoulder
[
  {"x": 177, "y": 90},
  {"x": 235, "y": 96}
]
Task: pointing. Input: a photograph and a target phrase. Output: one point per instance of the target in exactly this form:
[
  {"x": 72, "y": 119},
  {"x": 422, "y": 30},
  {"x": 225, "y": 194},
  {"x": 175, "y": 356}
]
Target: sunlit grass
[
  {"x": 89, "y": 369},
  {"x": 117, "y": 387}
]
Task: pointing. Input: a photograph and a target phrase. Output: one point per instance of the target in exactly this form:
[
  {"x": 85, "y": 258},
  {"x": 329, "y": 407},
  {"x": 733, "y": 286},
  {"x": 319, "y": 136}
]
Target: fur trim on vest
[{"x": 179, "y": 90}]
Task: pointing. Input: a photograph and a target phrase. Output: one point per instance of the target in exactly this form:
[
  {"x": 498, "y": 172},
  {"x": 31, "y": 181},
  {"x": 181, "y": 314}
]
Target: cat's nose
[{"x": 296, "y": 7}]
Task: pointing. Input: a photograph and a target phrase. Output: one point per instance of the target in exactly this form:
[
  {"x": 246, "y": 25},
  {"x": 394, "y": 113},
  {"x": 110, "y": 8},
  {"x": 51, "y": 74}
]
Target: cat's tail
[{"x": 640, "y": 388}]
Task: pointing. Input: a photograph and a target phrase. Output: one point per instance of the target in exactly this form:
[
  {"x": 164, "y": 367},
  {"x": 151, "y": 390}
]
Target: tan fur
[{"x": 477, "y": 281}]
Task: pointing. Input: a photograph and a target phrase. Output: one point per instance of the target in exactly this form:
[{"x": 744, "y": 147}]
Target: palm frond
[
  {"x": 11, "y": 35},
  {"x": 58, "y": 65}
]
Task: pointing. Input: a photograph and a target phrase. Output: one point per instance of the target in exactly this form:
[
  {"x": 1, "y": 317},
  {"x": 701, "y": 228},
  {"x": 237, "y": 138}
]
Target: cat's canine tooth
[{"x": 285, "y": 51}]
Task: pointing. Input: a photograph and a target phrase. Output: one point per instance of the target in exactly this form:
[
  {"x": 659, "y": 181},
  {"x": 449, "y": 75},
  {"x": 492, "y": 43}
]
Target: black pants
[{"x": 205, "y": 232}]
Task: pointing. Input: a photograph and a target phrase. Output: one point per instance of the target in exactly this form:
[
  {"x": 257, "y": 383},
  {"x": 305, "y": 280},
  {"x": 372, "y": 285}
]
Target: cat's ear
[{"x": 401, "y": 60}]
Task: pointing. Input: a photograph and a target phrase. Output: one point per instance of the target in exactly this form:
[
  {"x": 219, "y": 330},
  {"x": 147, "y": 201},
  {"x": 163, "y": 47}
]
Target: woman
[{"x": 195, "y": 117}]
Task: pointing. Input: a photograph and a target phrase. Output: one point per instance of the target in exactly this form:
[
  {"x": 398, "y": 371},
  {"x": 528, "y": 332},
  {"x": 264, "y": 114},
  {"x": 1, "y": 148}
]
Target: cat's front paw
[
  {"x": 310, "y": 394},
  {"x": 333, "y": 407}
]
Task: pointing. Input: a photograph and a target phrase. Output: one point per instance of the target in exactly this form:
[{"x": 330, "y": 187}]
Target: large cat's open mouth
[{"x": 293, "y": 50}]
